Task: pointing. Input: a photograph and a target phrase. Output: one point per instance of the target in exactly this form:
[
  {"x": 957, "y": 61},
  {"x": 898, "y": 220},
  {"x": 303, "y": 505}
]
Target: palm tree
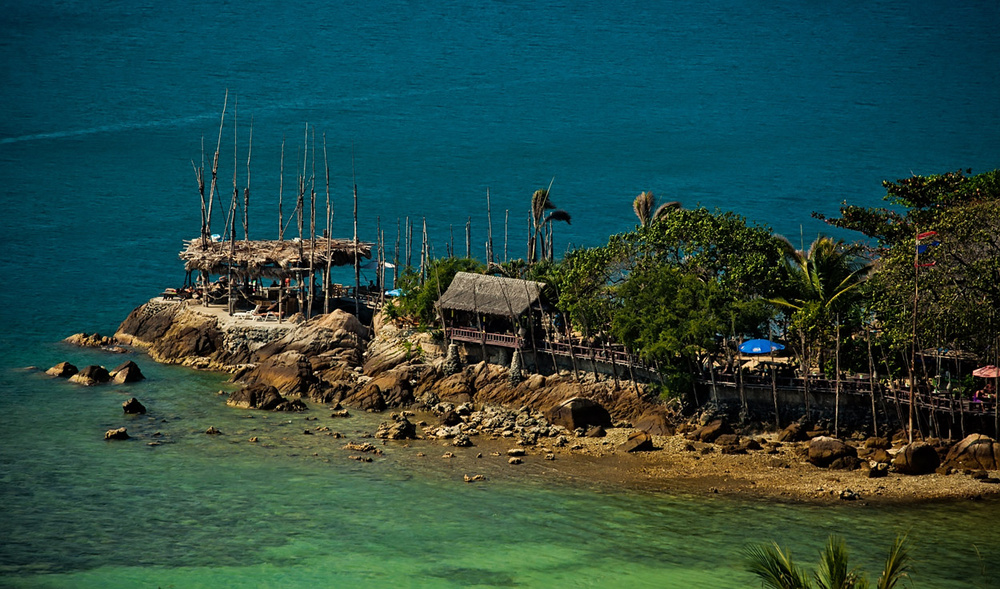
[
  {"x": 541, "y": 224},
  {"x": 821, "y": 281},
  {"x": 776, "y": 570},
  {"x": 823, "y": 274},
  {"x": 645, "y": 208}
]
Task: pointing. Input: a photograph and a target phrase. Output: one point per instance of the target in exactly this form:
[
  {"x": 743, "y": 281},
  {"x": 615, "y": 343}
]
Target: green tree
[
  {"x": 959, "y": 280},
  {"x": 670, "y": 318},
  {"x": 776, "y": 569},
  {"x": 417, "y": 300}
]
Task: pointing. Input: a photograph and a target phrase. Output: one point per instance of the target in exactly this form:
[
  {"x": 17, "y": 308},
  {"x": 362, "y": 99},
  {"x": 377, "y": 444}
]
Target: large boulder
[
  {"x": 916, "y": 459},
  {"x": 133, "y": 407},
  {"x": 395, "y": 388},
  {"x": 367, "y": 398},
  {"x": 290, "y": 372},
  {"x": 91, "y": 375},
  {"x": 794, "y": 432},
  {"x": 62, "y": 370},
  {"x": 824, "y": 450},
  {"x": 578, "y": 412},
  {"x": 264, "y": 397},
  {"x": 638, "y": 441},
  {"x": 456, "y": 388},
  {"x": 975, "y": 452},
  {"x": 711, "y": 431},
  {"x": 127, "y": 372},
  {"x": 337, "y": 332},
  {"x": 655, "y": 422}
]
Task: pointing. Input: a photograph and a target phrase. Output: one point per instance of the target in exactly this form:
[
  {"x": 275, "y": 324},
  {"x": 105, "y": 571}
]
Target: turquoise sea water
[{"x": 770, "y": 111}]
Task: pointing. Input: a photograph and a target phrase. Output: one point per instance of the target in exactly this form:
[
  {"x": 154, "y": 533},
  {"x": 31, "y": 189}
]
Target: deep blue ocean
[{"x": 772, "y": 110}]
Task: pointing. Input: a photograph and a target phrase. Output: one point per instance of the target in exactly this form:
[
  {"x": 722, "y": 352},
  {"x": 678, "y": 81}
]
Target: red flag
[{"x": 926, "y": 234}]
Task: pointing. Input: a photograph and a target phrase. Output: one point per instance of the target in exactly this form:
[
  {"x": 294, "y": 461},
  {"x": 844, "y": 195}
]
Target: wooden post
[
  {"x": 246, "y": 192},
  {"x": 312, "y": 230},
  {"x": 489, "y": 230},
  {"x": 395, "y": 257},
  {"x": 207, "y": 229},
  {"x": 329, "y": 232},
  {"x": 506, "y": 216},
  {"x": 871, "y": 380},
  {"x": 468, "y": 238},
  {"x": 836, "y": 393},
  {"x": 281, "y": 189},
  {"x": 357, "y": 264}
]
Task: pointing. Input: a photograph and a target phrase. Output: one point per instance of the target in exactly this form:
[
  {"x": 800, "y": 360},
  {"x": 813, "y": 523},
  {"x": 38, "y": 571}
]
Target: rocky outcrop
[
  {"x": 975, "y": 452},
  {"x": 916, "y": 459},
  {"x": 367, "y": 398},
  {"x": 94, "y": 340},
  {"x": 127, "y": 372},
  {"x": 264, "y": 397},
  {"x": 824, "y": 451},
  {"x": 62, "y": 370},
  {"x": 290, "y": 372},
  {"x": 91, "y": 375}
]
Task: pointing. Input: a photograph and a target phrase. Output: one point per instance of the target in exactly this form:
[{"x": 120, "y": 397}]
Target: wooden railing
[{"x": 483, "y": 337}]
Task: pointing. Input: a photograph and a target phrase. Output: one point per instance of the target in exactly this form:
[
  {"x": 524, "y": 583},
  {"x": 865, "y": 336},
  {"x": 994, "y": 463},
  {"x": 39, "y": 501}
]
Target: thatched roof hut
[
  {"x": 491, "y": 295},
  {"x": 270, "y": 258}
]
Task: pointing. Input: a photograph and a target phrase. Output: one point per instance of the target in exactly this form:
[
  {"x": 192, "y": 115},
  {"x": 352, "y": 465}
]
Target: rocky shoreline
[{"x": 582, "y": 430}]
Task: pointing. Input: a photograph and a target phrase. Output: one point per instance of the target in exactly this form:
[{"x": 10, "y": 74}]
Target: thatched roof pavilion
[
  {"x": 270, "y": 258},
  {"x": 491, "y": 295}
]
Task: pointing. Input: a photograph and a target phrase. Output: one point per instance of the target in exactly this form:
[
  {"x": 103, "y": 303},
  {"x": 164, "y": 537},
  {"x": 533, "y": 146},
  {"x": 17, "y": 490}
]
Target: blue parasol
[{"x": 760, "y": 346}]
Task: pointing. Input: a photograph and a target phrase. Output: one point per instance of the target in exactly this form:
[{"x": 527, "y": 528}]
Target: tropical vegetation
[
  {"x": 776, "y": 570},
  {"x": 686, "y": 284}
]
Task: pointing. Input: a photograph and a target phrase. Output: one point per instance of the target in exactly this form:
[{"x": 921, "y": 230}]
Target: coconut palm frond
[
  {"x": 643, "y": 207},
  {"x": 558, "y": 215},
  {"x": 774, "y": 567},
  {"x": 833, "y": 572},
  {"x": 664, "y": 209},
  {"x": 540, "y": 203},
  {"x": 897, "y": 563}
]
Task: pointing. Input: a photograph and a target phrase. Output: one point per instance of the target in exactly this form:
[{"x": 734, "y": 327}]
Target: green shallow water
[{"x": 292, "y": 510}]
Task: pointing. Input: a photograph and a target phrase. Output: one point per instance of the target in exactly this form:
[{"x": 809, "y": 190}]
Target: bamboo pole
[
  {"x": 395, "y": 257},
  {"x": 232, "y": 209},
  {"x": 328, "y": 231},
  {"x": 312, "y": 230},
  {"x": 468, "y": 238},
  {"x": 357, "y": 264},
  {"x": 207, "y": 229},
  {"x": 246, "y": 191},
  {"x": 489, "y": 229},
  {"x": 871, "y": 379},
  {"x": 836, "y": 393},
  {"x": 281, "y": 188},
  {"x": 506, "y": 217}
]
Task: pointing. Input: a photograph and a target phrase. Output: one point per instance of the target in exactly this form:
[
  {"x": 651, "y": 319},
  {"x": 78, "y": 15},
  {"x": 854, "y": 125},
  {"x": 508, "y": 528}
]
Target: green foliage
[
  {"x": 917, "y": 201},
  {"x": 958, "y": 293},
  {"x": 417, "y": 300},
  {"x": 775, "y": 568},
  {"x": 667, "y": 314}
]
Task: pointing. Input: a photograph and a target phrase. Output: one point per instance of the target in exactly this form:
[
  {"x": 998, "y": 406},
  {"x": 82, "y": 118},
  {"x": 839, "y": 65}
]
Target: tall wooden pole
[
  {"x": 489, "y": 229},
  {"x": 468, "y": 238},
  {"x": 246, "y": 191},
  {"x": 312, "y": 230},
  {"x": 329, "y": 231},
  {"x": 281, "y": 189},
  {"x": 836, "y": 394},
  {"x": 357, "y": 263},
  {"x": 913, "y": 339},
  {"x": 207, "y": 230}
]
